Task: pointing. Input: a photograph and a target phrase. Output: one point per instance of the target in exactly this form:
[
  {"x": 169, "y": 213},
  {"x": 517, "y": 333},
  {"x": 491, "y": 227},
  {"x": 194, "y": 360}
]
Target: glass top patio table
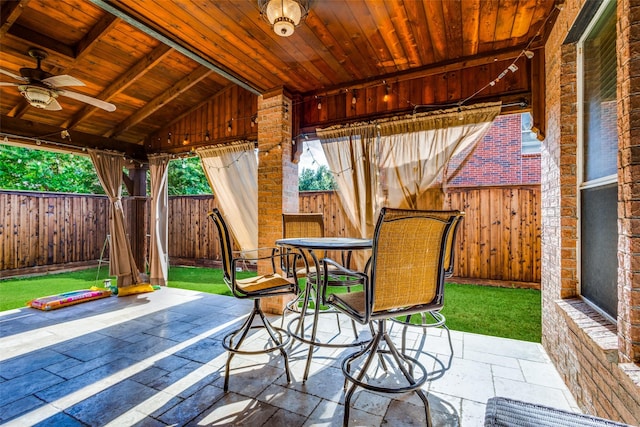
[
  {"x": 326, "y": 243},
  {"x": 308, "y": 245}
]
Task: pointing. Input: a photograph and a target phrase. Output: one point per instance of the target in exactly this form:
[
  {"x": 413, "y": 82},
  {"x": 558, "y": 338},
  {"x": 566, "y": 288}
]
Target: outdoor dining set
[
  {"x": 398, "y": 281},
  {"x": 407, "y": 259}
]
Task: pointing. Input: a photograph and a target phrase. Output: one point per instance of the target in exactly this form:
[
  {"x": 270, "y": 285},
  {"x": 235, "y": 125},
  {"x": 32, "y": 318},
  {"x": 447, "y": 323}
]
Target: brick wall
[
  {"x": 497, "y": 159},
  {"x": 594, "y": 356}
]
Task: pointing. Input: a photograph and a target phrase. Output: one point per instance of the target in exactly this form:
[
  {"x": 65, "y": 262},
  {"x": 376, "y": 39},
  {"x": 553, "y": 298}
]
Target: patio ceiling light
[
  {"x": 283, "y": 15},
  {"x": 39, "y": 97}
]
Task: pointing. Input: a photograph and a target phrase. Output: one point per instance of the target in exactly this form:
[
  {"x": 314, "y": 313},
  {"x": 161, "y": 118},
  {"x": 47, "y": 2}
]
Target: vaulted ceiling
[{"x": 157, "y": 61}]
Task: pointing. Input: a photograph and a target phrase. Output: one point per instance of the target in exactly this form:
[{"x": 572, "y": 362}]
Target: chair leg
[
  {"x": 372, "y": 346},
  {"x": 440, "y": 321},
  {"x": 404, "y": 362},
  {"x": 272, "y": 333},
  {"x": 233, "y": 349},
  {"x": 279, "y": 336},
  {"x": 408, "y": 374}
]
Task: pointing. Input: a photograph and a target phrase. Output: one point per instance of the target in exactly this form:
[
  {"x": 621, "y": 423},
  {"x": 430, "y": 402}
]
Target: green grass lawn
[{"x": 502, "y": 312}]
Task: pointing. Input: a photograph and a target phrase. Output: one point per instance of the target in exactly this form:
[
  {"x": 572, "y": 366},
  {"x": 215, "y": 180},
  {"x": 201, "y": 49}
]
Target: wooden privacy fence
[
  {"x": 43, "y": 229},
  {"x": 499, "y": 238}
]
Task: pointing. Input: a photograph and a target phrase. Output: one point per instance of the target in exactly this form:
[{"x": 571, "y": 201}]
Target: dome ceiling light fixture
[{"x": 284, "y": 15}]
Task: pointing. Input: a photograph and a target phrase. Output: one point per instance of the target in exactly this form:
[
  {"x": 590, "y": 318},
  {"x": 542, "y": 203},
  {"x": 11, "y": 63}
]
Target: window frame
[{"x": 580, "y": 152}]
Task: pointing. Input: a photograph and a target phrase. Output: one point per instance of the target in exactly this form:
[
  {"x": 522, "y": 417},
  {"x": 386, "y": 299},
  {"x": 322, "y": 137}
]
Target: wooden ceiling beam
[
  {"x": 19, "y": 109},
  {"x": 9, "y": 12},
  {"x": 138, "y": 23},
  {"x": 84, "y": 46},
  {"x": 131, "y": 76},
  {"x": 40, "y": 40},
  {"x": 38, "y": 132},
  {"x": 183, "y": 85}
]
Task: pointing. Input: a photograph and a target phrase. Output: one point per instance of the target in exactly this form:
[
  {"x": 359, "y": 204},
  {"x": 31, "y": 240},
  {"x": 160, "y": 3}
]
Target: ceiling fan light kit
[
  {"x": 284, "y": 15},
  {"x": 38, "y": 97}
]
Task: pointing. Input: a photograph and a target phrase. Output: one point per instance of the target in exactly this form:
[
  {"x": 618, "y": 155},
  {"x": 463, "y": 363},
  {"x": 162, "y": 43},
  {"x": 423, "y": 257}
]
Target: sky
[{"x": 310, "y": 152}]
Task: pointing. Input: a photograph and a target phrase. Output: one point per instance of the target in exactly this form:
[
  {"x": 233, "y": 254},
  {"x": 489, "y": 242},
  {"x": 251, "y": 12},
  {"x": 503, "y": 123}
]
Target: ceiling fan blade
[
  {"x": 15, "y": 76},
  {"x": 87, "y": 99},
  {"x": 53, "y": 106},
  {"x": 64, "y": 80},
  {"x": 9, "y": 84}
]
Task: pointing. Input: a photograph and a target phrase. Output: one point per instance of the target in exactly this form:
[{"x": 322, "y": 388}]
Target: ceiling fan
[{"x": 41, "y": 88}]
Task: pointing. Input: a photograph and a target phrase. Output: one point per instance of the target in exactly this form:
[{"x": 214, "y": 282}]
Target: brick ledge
[{"x": 583, "y": 319}]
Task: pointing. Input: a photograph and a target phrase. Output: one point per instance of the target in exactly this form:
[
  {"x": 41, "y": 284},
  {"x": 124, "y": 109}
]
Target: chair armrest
[
  {"x": 270, "y": 253},
  {"x": 339, "y": 270}
]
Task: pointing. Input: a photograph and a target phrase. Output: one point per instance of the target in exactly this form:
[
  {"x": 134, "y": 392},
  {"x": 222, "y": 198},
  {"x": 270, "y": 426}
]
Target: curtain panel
[
  {"x": 158, "y": 251},
  {"x": 122, "y": 264},
  {"x": 232, "y": 172},
  {"x": 395, "y": 162},
  {"x": 350, "y": 153}
]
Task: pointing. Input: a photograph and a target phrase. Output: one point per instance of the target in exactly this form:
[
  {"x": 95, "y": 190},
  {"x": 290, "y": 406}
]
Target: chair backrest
[
  {"x": 225, "y": 243},
  {"x": 303, "y": 225},
  {"x": 451, "y": 237},
  {"x": 408, "y": 259}
]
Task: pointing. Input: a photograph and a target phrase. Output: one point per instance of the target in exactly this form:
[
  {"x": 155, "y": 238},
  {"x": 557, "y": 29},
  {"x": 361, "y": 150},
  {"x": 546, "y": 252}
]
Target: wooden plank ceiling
[{"x": 159, "y": 61}]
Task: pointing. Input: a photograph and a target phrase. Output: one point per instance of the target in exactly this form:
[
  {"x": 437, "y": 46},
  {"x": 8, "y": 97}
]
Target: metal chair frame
[
  {"x": 362, "y": 306},
  {"x": 265, "y": 286}
]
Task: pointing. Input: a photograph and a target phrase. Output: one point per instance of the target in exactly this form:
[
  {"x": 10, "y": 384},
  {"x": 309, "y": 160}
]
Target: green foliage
[
  {"x": 187, "y": 177},
  {"x": 39, "y": 170},
  {"x": 316, "y": 180}
]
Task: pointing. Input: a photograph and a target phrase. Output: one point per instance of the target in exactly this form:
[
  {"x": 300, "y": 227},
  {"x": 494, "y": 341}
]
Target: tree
[
  {"x": 39, "y": 170},
  {"x": 316, "y": 180},
  {"x": 187, "y": 177}
]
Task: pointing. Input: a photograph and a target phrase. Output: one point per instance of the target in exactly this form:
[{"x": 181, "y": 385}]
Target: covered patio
[
  {"x": 189, "y": 77},
  {"x": 156, "y": 359}
]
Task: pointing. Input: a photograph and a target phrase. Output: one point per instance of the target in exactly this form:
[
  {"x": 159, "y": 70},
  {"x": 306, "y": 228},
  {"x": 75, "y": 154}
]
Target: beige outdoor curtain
[
  {"x": 350, "y": 153},
  {"x": 232, "y": 171},
  {"x": 393, "y": 162},
  {"x": 121, "y": 261},
  {"x": 158, "y": 251},
  {"x": 413, "y": 153}
]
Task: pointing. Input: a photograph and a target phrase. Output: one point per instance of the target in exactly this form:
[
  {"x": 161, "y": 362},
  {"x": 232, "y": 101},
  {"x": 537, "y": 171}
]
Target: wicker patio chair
[
  {"x": 302, "y": 225},
  {"x": 438, "y": 320},
  {"x": 311, "y": 225},
  {"x": 308, "y": 225},
  {"x": 405, "y": 275},
  {"x": 254, "y": 288}
]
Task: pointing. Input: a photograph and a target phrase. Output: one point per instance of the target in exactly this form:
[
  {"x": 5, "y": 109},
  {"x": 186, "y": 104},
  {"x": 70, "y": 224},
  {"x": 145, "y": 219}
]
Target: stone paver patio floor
[{"x": 156, "y": 359}]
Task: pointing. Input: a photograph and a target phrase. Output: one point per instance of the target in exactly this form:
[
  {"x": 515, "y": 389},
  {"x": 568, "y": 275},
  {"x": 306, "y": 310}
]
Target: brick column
[
  {"x": 277, "y": 176},
  {"x": 628, "y": 183}
]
